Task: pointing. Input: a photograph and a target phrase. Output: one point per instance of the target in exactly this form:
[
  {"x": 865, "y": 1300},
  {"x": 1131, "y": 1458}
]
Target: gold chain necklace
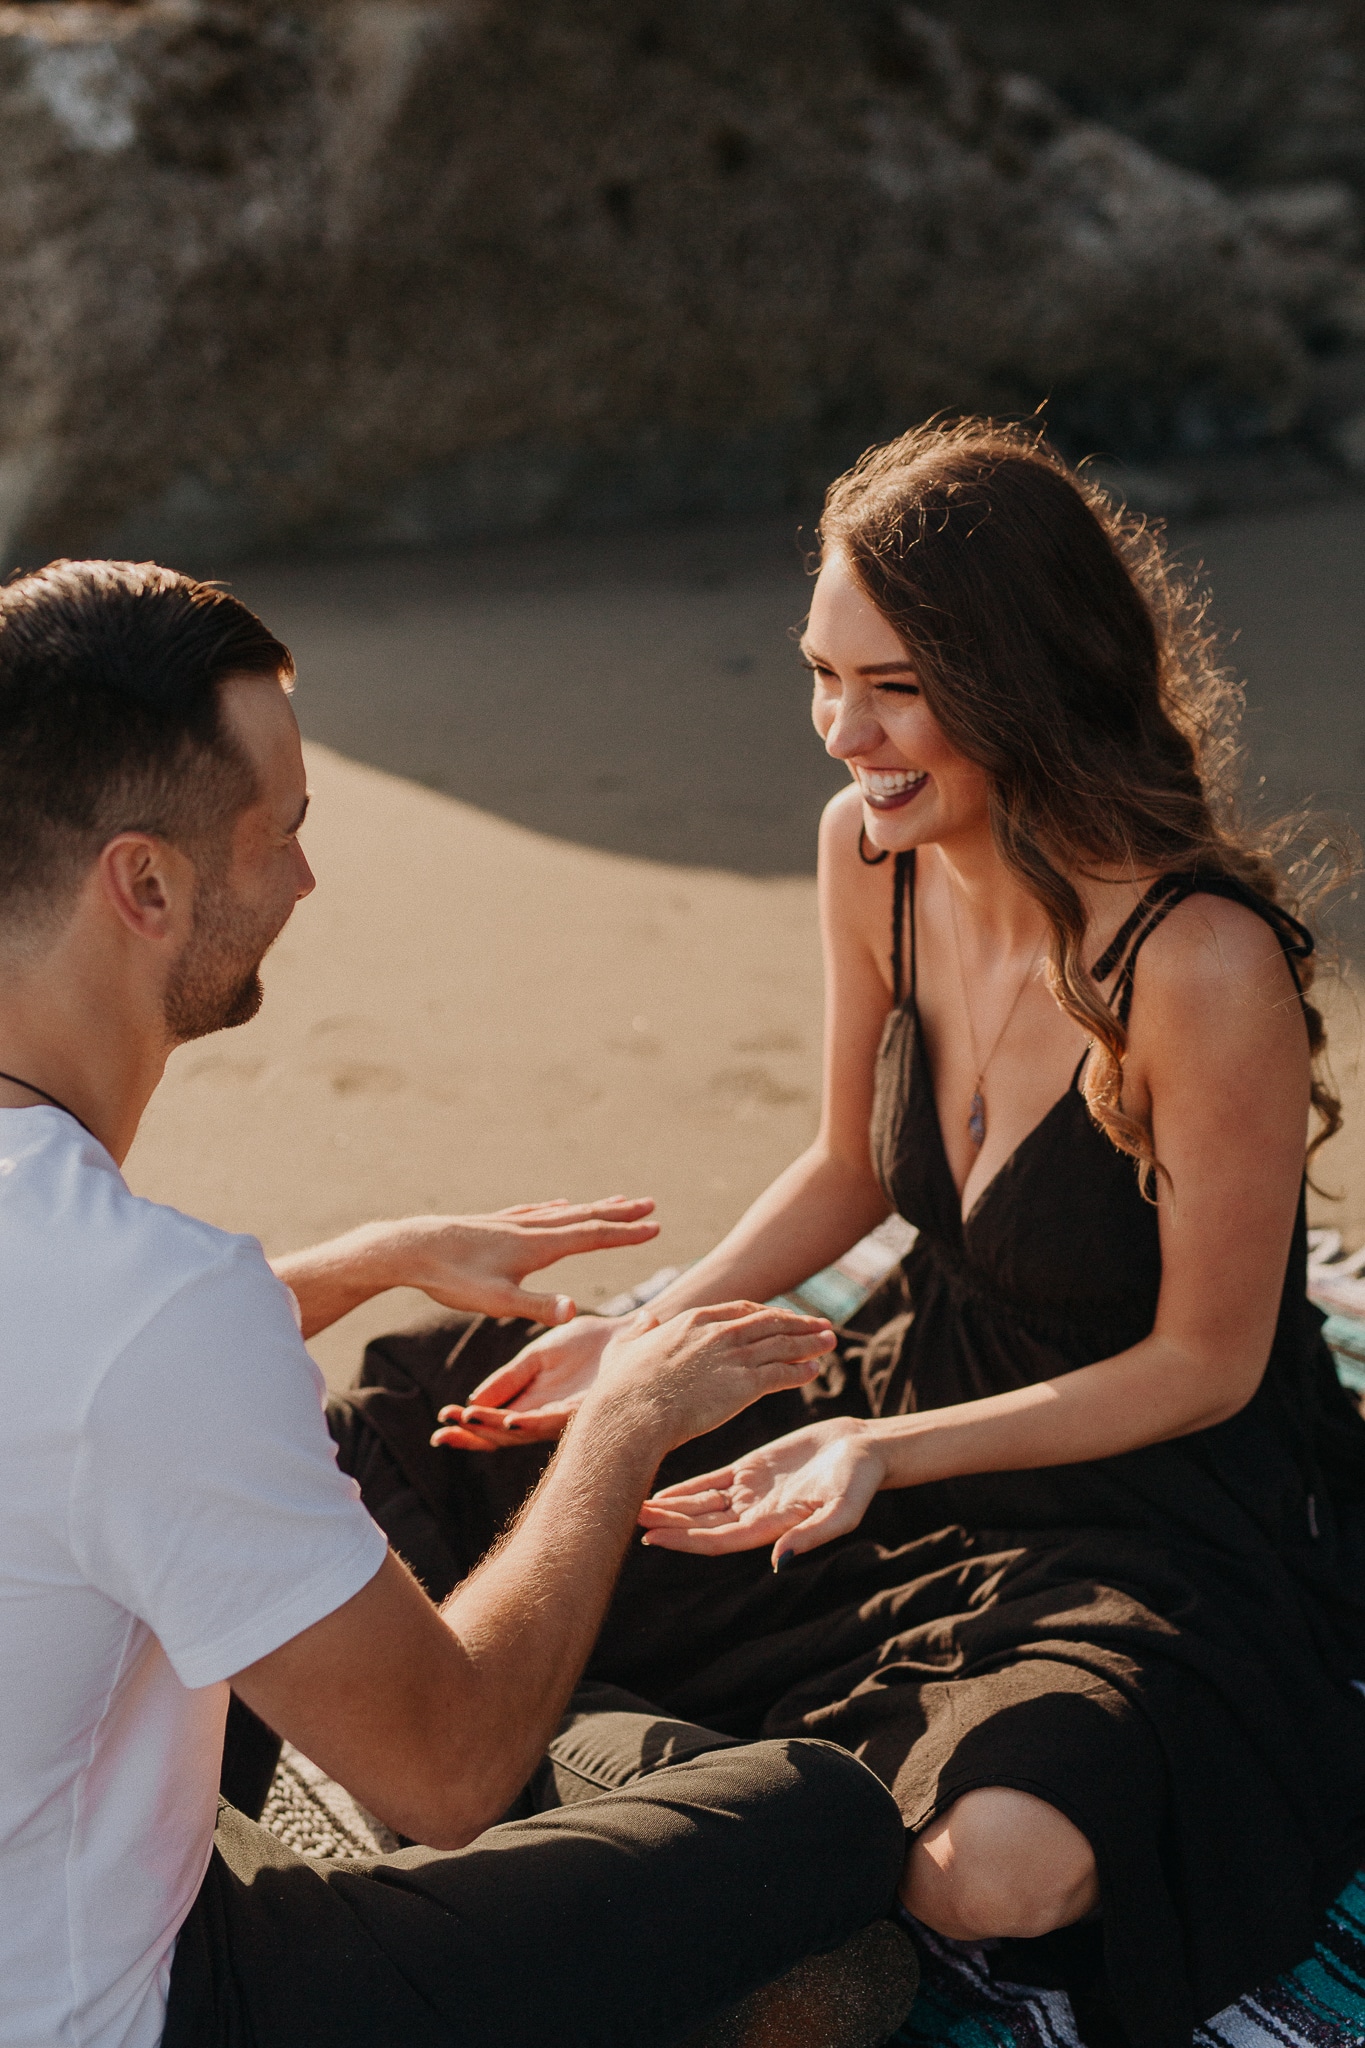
[{"x": 976, "y": 1115}]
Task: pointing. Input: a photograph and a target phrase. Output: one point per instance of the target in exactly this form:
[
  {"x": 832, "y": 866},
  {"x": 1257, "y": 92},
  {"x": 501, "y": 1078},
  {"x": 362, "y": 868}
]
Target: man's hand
[
  {"x": 685, "y": 1377},
  {"x": 435, "y": 1721},
  {"x": 465, "y": 1262},
  {"x": 795, "y": 1493},
  {"x": 479, "y": 1262}
]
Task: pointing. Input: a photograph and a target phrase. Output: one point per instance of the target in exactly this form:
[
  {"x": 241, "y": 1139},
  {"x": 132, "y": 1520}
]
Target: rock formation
[
  {"x": 403, "y": 270},
  {"x": 1253, "y": 93}
]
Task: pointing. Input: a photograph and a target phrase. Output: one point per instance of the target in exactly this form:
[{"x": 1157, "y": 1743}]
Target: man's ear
[{"x": 149, "y": 885}]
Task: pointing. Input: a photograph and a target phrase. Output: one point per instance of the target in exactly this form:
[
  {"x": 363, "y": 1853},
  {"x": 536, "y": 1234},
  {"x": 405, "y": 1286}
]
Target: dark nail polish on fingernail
[
  {"x": 780, "y": 1564},
  {"x": 509, "y": 1424}
]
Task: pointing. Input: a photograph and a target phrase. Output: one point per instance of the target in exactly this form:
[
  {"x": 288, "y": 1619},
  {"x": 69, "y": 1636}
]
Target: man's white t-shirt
[{"x": 170, "y": 1510}]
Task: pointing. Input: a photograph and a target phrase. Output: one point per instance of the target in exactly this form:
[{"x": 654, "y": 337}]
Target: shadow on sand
[
  {"x": 641, "y": 693},
  {"x": 638, "y": 694}
]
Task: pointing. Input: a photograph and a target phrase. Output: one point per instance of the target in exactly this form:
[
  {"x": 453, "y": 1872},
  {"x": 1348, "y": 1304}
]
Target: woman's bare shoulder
[
  {"x": 840, "y": 823},
  {"x": 1216, "y": 962},
  {"x": 1211, "y": 937},
  {"x": 855, "y": 894},
  {"x": 841, "y": 870}
]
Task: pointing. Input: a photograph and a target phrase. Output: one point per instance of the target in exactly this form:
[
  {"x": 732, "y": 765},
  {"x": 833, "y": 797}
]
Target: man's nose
[{"x": 308, "y": 881}]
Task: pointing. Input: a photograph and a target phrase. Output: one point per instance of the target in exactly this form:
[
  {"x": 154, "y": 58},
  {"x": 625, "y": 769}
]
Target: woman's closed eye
[{"x": 882, "y": 685}]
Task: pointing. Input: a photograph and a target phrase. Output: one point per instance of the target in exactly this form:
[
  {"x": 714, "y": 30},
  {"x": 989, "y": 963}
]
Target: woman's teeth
[{"x": 888, "y": 788}]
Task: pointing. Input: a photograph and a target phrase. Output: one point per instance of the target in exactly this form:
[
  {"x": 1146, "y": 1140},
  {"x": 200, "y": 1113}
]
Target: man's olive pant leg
[
  {"x": 669, "y": 1872},
  {"x": 650, "y": 1875}
]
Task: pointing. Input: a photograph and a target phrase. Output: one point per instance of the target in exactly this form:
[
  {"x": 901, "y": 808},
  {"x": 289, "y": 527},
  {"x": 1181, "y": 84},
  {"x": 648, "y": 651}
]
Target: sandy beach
[{"x": 564, "y": 942}]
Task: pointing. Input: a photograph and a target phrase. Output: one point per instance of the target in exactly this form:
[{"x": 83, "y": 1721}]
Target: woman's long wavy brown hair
[{"x": 1061, "y": 650}]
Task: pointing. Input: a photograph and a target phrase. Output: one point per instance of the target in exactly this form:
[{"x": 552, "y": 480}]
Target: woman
[{"x": 1068, "y": 1539}]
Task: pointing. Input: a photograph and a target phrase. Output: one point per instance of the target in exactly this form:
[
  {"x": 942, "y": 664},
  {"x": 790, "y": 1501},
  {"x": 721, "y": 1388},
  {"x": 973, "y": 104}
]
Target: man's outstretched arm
[
  {"x": 464, "y": 1262},
  {"x": 433, "y": 1719}
]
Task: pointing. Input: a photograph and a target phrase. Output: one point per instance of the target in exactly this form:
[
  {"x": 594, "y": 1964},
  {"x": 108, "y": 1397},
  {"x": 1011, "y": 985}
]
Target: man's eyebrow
[{"x": 298, "y": 822}]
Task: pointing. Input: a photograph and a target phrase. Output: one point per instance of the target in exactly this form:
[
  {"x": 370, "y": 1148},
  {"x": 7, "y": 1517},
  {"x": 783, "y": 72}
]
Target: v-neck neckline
[
  {"x": 909, "y": 1007},
  {"x": 921, "y": 1075}
]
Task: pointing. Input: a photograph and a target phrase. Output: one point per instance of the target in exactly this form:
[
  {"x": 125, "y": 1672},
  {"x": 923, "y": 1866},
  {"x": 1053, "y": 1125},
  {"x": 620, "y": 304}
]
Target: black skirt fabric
[{"x": 1162, "y": 1645}]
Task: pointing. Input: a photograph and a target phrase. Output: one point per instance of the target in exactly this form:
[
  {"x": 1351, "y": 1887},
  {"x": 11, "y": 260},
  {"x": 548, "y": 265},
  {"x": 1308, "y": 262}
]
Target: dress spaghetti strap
[
  {"x": 1152, "y": 909},
  {"x": 903, "y": 891},
  {"x": 1296, "y": 941}
]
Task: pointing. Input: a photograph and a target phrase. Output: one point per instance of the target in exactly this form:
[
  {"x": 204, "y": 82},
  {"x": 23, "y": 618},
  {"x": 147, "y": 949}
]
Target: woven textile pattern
[{"x": 1321, "y": 2004}]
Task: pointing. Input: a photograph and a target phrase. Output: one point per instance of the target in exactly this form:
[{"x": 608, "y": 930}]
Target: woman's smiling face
[{"x": 869, "y": 712}]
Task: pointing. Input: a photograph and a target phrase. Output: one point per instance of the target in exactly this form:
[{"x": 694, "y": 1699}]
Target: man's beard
[{"x": 216, "y": 982}]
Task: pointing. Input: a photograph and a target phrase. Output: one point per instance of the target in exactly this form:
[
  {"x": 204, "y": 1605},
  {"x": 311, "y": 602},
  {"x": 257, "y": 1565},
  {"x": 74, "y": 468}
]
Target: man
[{"x": 174, "y": 1521}]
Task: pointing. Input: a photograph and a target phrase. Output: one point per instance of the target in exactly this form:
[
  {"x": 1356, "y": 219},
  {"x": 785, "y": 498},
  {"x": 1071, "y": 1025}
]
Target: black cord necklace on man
[
  {"x": 34, "y": 1089},
  {"x": 976, "y": 1115}
]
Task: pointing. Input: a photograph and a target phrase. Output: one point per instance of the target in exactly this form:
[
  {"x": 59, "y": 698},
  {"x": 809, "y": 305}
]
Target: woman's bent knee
[{"x": 1000, "y": 1863}]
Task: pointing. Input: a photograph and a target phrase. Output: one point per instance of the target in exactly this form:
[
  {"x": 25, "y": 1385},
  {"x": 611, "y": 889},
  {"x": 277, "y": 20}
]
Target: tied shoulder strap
[{"x": 1296, "y": 941}]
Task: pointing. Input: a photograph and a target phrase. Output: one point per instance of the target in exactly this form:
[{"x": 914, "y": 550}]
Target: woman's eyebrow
[{"x": 877, "y": 668}]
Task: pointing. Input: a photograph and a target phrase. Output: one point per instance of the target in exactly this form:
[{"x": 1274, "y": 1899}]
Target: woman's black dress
[{"x": 1160, "y": 1644}]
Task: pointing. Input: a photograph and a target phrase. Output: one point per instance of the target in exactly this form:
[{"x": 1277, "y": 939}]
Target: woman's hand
[
  {"x": 620, "y": 1356},
  {"x": 795, "y": 1493},
  {"x": 530, "y": 1399}
]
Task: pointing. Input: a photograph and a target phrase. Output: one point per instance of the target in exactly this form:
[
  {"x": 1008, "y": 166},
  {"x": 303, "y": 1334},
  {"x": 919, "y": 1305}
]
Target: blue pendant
[{"x": 976, "y": 1121}]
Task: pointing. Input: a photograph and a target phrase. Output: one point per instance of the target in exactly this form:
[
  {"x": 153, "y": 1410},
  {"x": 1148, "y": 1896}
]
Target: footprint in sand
[
  {"x": 745, "y": 1090},
  {"x": 365, "y": 1077}
]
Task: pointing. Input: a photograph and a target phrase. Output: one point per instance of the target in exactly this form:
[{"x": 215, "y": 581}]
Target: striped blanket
[{"x": 1321, "y": 2004}]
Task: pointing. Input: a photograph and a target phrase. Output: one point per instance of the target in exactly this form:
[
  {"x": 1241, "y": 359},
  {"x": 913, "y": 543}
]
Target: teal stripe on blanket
[
  {"x": 1332, "y": 1982},
  {"x": 1346, "y": 1340},
  {"x": 1321, "y": 2004}
]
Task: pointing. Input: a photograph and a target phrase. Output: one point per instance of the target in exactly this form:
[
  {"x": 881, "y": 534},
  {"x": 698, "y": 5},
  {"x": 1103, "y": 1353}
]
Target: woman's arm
[
  {"x": 823, "y": 1203},
  {"x": 1218, "y": 1062},
  {"x": 829, "y": 1197}
]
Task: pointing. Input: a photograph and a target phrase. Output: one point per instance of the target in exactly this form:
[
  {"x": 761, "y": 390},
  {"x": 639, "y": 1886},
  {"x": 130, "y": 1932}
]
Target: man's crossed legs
[
  {"x": 658, "y": 1873},
  {"x": 648, "y": 1879}
]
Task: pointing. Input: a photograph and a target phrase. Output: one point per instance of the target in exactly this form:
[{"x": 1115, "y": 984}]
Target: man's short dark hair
[{"x": 111, "y": 720}]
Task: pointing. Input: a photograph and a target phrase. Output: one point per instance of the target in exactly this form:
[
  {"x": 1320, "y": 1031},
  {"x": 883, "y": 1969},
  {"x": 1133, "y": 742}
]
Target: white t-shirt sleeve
[{"x": 206, "y": 1497}]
